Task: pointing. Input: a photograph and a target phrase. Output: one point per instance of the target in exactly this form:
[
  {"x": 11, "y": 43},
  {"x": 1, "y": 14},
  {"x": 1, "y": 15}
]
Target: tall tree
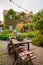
[{"x": 38, "y": 20}]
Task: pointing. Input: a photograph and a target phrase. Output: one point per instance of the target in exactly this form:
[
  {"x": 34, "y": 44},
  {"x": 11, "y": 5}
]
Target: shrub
[
  {"x": 30, "y": 26},
  {"x": 24, "y": 35},
  {"x": 42, "y": 32},
  {"x": 17, "y": 29},
  {"x": 5, "y": 35},
  {"x": 38, "y": 39},
  {"x": 30, "y": 34},
  {"x": 39, "y": 24},
  {"x": 19, "y": 26}
]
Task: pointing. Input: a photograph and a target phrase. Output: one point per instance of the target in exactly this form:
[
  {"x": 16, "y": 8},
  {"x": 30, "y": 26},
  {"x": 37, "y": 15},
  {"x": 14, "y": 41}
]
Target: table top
[{"x": 15, "y": 41}]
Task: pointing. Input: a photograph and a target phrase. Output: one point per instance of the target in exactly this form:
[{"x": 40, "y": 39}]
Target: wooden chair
[{"x": 21, "y": 58}]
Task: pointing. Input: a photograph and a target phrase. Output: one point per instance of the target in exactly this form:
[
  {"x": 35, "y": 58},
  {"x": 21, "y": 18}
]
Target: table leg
[{"x": 28, "y": 46}]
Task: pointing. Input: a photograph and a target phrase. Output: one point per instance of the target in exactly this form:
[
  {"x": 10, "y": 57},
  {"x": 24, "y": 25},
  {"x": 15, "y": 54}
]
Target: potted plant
[{"x": 20, "y": 37}]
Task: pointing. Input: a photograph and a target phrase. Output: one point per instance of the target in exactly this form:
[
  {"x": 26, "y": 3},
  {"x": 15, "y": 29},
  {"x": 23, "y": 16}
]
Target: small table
[{"x": 15, "y": 41}]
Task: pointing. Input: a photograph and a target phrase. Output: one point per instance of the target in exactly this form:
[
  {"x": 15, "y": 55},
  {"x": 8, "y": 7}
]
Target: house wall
[{"x": 12, "y": 22}]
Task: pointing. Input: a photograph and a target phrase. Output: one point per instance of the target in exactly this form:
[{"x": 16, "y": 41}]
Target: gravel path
[{"x": 8, "y": 60}]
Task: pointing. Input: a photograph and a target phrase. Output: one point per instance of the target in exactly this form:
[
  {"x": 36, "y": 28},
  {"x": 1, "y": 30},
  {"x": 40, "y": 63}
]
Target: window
[
  {"x": 30, "y": 19},
  {"x": 11, "y": 16},
  {"x": 1, "y": 29},
  {"x": 10, "y": 27}
]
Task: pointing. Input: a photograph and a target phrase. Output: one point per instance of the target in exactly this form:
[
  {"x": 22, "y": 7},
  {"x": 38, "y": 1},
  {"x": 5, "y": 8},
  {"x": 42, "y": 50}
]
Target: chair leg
[
  {"x": 14, "y": 63},
  {"x": 23, "y": 63}
]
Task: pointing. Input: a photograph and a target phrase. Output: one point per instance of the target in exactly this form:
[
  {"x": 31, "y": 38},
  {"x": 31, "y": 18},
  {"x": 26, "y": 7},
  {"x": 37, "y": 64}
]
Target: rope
[{"x": 19, "y": 6}]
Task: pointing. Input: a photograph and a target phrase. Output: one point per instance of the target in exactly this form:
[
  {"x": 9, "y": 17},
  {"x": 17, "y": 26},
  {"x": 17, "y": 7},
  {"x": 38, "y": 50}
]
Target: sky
[{"x": 30, "y": 5}]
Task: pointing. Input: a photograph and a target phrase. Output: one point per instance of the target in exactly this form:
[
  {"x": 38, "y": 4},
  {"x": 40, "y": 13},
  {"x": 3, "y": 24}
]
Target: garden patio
[
  {"x": 32, "y": 30},
  {"x": 8, "y": 60}
]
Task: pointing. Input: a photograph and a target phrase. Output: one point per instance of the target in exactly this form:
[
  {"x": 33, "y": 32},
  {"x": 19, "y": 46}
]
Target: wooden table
[{"x": 14, "y": 41}]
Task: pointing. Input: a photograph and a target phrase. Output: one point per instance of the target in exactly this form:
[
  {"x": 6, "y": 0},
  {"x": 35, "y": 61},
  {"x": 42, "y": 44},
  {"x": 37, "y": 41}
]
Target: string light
[
  {"x": 10, "y": 0},
  {"x": 19, "y": 6}
]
